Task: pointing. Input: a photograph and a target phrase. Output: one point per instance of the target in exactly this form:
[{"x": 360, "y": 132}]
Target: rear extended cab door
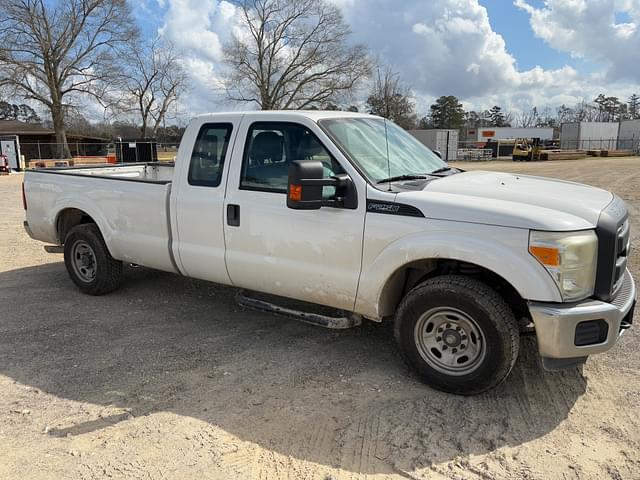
[
  {"x": 197, "y": 202},
  {"x": 310, "y": 255}
]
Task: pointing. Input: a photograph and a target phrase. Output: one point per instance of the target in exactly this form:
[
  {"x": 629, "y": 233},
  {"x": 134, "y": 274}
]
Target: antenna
[{"x": 386, "y": 139}]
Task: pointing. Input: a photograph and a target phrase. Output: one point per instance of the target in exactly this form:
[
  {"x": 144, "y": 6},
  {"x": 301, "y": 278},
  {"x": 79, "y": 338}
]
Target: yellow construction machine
[{"x": 527, "y": 149}]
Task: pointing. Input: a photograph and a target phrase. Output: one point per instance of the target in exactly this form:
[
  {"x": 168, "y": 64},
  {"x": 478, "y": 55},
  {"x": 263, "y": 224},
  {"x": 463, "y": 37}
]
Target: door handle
[{"x": 233, "y": 215}]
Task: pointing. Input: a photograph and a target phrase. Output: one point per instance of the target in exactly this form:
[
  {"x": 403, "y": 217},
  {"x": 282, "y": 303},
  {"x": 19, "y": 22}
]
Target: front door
[{"x": 312, "y": 255}]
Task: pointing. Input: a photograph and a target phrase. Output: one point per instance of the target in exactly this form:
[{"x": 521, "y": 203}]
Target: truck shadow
[{"x": 341, "y": 399}]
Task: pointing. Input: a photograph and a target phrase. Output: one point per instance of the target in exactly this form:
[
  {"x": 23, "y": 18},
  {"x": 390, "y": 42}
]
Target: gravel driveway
[{"x": 169, "y": 378}]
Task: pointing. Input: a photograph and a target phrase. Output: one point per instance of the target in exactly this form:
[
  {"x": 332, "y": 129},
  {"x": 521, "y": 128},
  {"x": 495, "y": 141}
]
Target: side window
[
  {"x": 209, "y": 151},
  {"x": 271, "y": 147}
]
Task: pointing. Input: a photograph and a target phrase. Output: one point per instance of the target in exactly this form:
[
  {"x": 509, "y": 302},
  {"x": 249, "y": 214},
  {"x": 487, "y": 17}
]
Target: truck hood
[{"x": 510, "y": 200}]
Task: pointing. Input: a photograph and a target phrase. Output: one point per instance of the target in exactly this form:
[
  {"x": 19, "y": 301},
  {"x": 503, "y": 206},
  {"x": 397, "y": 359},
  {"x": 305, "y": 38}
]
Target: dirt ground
[{"x": 169, "y": 378}]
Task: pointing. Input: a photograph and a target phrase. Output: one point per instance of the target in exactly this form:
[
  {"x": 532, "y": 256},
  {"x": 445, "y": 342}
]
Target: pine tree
[
  {"x": 634, "y": 106},
  {"x": 447, "y": 112},
  {"x": 496, "y": 116}
]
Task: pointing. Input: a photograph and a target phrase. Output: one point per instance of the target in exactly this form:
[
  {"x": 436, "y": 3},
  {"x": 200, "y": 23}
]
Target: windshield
[{"x": 363, "y": 139}]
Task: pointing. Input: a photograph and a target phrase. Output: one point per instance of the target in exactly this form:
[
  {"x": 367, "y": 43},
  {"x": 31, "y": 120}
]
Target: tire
[
  {"x": 88, "y": 261},
  {"x": 468, "y": 324}
]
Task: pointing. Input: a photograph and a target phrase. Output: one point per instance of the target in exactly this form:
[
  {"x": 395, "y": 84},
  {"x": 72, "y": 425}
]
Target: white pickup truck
[{"x": 351, "y": 212}]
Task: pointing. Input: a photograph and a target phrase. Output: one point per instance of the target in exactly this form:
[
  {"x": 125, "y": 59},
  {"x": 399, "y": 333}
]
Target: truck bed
[
  {"x": 129, "y": 203},
  {"x": 145, "y": 172}
]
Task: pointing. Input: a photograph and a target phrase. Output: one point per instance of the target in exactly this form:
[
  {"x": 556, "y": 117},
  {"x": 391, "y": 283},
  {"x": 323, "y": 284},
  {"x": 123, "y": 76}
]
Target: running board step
[{"x": 311, "y": 313}]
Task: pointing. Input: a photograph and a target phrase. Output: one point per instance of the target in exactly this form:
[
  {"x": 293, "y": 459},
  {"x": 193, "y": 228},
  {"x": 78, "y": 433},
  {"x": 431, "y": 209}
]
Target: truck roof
[{"x": 314, "y": 115}]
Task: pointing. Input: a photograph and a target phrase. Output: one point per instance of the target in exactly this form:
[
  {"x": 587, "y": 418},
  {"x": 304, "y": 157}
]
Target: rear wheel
[
  {"x": 88, "y": 261},
  {"x": 458, "y": 334}
]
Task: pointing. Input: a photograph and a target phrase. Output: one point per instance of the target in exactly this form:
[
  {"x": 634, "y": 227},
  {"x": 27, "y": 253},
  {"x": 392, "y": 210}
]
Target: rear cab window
[{"x": 208, "y": 156}]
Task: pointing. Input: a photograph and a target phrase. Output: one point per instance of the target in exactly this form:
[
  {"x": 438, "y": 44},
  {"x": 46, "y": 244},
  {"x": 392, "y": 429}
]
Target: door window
[
  {"x": 271, "y": 147},
  {"x": 209, "y": 151}
]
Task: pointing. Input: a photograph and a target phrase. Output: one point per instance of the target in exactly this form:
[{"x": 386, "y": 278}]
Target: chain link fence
[
  {"x": 46, "y": 154},
  {"x": 37, "y": 154},
  {"x": 473, "y": 150}
]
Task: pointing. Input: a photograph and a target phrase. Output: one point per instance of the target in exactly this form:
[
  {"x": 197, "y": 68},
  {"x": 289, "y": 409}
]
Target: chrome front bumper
[{"x": 556, "y": 324}]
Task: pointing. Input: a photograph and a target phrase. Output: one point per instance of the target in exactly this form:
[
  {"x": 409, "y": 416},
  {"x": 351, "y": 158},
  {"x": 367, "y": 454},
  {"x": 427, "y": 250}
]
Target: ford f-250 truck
[{"x": 351, "y": 212}]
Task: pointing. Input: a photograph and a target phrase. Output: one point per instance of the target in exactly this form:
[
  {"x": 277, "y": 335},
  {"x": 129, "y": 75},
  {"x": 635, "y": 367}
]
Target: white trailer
[
  {"x": 629, "y": 135},
  {"x": 442, "y": 140},
  {"x": 589, "y": 136},
  {"x": 484, "y": 134}
]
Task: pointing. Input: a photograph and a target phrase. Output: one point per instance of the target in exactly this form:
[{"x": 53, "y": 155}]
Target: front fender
[{"x": 501, "y": 250}]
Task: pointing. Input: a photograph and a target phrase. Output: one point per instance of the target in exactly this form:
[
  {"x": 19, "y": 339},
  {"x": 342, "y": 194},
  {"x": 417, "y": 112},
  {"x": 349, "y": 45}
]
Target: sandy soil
[{"x": 169, "y": 378}]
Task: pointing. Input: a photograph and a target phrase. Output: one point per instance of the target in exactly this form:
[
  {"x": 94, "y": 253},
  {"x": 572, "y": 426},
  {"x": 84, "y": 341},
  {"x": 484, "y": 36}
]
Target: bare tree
[
  {"x": 564, "y": 114},
  {"x": 528, "y": 119},
  {"x": 391, "y": 99},
  {"x": 52, "y": 52},
  {"x": 292, "y": 54},
  {"x": 585, "y": 112},
  {"x": 155, "y": 81}
]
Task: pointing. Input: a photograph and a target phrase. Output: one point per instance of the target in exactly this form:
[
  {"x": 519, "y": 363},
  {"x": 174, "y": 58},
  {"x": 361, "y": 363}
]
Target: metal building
[
  {"x": 589, "y": 136},
  {"x": 445, "y": 141},
  {"x": 35, "y": 142},
  {"x": 629, "y": 135}
]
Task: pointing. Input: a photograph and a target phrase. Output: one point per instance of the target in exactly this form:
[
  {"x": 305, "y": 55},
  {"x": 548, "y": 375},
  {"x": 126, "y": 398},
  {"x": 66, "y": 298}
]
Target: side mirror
[
  {"x": 438, "y": 153},
  {"x": 304, "y": 189}
]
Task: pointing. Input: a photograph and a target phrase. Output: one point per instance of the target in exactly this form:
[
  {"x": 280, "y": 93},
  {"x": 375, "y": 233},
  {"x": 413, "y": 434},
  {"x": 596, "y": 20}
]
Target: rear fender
[{"x": 91, "y": 209}]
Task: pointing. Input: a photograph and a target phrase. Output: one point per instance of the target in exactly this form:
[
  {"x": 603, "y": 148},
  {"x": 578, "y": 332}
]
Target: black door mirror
[
  {"x": 438, "y": 153},
  {"x": 304, "y": 189}
]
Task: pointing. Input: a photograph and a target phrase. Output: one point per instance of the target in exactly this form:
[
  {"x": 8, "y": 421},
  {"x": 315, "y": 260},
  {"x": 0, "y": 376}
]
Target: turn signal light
[
  {"x": 295, "y": 193},
  {"x": 548, "y": 256}
]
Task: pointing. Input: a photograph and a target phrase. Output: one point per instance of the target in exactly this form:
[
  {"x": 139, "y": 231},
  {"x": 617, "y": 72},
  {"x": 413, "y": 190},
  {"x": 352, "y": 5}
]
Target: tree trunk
[
  {"x": 62, "y": 147},
  {"x": 144, "y": 127}
]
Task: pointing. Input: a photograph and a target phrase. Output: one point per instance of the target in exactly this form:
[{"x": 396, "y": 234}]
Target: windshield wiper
[
  {"x": 402, "y": 177},
  {"x": 440, "y": 170}
]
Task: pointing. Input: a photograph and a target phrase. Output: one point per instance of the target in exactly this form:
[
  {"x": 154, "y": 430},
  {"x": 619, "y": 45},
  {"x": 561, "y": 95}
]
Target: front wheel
[
  {"x": 458, "y": 334},
  {"x": 88, "y": 261}
]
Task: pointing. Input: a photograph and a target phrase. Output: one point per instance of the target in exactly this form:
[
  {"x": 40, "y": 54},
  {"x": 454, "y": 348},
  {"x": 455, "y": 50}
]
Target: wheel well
[
  {"x": 407, "y": 277},
  {"x": 69, "y": 218}
]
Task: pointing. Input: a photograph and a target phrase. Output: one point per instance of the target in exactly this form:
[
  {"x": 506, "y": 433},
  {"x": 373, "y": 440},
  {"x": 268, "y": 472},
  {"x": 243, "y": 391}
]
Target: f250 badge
[
  {"x": 391, "y": 208},
  {"x": 383, "y": 207}
]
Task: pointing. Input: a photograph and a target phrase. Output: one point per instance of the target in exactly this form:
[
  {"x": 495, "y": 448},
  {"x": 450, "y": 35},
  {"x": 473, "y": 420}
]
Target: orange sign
[{"x": 488, "y": 133}]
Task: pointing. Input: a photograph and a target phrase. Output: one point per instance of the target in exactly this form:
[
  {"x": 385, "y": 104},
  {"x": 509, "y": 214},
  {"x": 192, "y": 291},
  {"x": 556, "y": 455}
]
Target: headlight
[{"x": 570, "y": 258}]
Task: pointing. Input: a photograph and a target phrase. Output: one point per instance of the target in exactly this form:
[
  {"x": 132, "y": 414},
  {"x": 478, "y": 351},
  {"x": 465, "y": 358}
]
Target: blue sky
[
  {"x": 514, "y": 53},
  {"x": 513, "y": 24}
]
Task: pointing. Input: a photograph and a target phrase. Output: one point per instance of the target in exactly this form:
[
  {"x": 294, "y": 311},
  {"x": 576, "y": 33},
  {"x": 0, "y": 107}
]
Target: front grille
[
  {"x": 624, "y": 292},
  {"x": 613, "y": 246},
  {"x": 622, "y": 247}
]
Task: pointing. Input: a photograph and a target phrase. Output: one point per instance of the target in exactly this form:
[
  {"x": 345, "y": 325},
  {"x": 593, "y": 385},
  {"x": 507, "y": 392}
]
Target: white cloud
[
  {"x": 447, "y": 47},
  {"x": 199, "y": 30},
  {"x": 443, "y": 47},
  {"x": 588, "y": 29}
]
